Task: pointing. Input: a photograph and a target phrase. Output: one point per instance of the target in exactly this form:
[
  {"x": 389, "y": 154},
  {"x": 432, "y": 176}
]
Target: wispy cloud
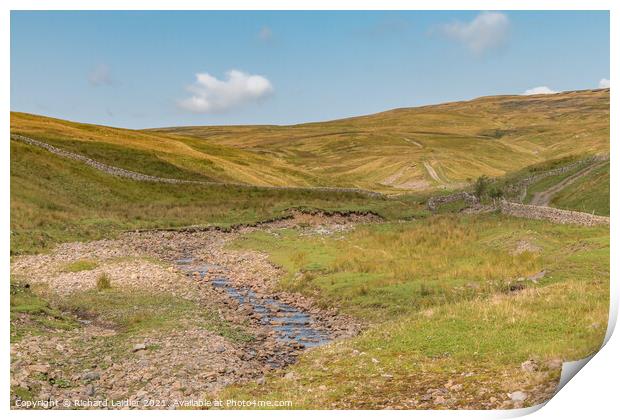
[
  {"x": 486, "y": 32},
  {"x": 539, "y": 90},
  {"x": 211, "y": 95},
  {"x": 604, "y": 83},
  {"x": 100, "y": 75}
]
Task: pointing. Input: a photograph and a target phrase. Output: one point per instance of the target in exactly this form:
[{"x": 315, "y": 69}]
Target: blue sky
[{"x": 153, "y": 69}]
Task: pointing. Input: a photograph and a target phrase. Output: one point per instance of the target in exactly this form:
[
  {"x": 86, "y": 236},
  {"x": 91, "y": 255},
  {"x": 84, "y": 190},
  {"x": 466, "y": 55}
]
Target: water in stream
[{"x": 292, "y": 325}]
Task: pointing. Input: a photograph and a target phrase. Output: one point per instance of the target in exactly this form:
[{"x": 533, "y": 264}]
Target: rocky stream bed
[{"x": 99, "y": 361}]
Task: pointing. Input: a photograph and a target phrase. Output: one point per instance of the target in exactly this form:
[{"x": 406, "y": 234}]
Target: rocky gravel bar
[{"x": 97, "y": 361}]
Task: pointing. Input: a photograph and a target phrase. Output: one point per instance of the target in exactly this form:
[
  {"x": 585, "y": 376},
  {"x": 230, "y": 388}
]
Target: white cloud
[
  {"x": 100, "y": 75},
  {"x": 210, "y": 94},
  {"x": 265, "y": 34},
  {"x": 487, "y": 31},
  {"x": 539, "y": 90},
  {"x": 603, "y": 83}
]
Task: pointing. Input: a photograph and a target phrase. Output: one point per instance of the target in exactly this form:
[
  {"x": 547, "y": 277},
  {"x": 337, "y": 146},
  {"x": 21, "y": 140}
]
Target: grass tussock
[{"x": 104, "y": 282}]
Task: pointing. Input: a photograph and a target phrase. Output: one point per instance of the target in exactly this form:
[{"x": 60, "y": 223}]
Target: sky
[{"x": 158, "y": 69}]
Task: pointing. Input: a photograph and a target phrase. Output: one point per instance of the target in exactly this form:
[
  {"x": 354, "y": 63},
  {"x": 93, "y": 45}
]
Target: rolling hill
[
  {"x": 404, "y": 152},
  {"x": 433, "y": 146},
  {"x": 394, "y": 152}
]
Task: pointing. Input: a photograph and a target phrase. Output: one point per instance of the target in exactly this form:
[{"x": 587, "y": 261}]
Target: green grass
[
  {"x": 390, "y": 269},
  {"x": 452, "y": 207},
  {"x": 548, "y": 182},
  {"x": 79, "y": 265},
  {"x": 134, "y": 159},
  {"x": 33, "y": 315},
  {"x": 435, "y": 297},
  {"x": 589, "y": 193},
  {"x": 132, "y": 312},
  {"x": 56, "y": 200}
]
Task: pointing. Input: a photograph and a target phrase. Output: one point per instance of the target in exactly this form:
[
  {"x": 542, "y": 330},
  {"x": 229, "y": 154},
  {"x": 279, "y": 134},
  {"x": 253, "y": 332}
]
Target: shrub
[
  {"x": 487, "y": 187},
  {"x": 481, "y": 186}
]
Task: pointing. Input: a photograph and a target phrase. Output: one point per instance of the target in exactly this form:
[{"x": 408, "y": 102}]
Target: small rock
[
  {"x": 290, "y": 376},
  {"x": 374, "y": 360},
  {"x": 538, "y": 276},
  {"x": 40, "y": 368},
  {"x": 90, "y": 376},
  {"x": 529, "y": 366},
  {"x": 518, "y": 396},
  {"x": 261, "y": 381},
  {"x": 138, "y": 347},
  {"x": 90, "y": 390}
]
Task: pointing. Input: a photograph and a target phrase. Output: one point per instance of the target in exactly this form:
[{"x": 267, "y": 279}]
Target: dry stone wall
[
  {"x": 433, "y": 203},
  {"x": 551, "y": 214},
  {"x": 136, "y": 176},
  {"x": 518, "y": 190}
]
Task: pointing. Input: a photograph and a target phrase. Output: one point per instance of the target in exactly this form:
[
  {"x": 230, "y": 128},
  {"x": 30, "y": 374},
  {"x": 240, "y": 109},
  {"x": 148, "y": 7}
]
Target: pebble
[
  {"x": 529, "y": 366},
  {"x": 517, "y": 396},
  {"x": 91, "y": 376},
  {"x": 139, "y": 347}
]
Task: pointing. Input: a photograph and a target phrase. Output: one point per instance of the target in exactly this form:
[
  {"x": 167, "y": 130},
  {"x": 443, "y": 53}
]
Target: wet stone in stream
[{"x": 290, "y": 324}]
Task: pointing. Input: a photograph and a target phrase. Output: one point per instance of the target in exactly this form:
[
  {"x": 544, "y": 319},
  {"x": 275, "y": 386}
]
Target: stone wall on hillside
[
  {"x": 433, "y": 203},
  {"x": 112, "y": 170},
  {"x": 136, "y": 176},
  {"x": 518, "y": 190},
  {"x": 551, "y": 214}
]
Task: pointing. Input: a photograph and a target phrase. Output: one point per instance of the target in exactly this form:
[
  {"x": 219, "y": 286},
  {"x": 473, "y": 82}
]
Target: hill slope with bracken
[{"x": 432, "y": 146}]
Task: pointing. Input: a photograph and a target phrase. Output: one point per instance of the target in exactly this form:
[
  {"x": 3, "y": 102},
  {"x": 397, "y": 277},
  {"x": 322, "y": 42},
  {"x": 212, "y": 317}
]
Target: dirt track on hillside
[{"x": 543, "y": 198}]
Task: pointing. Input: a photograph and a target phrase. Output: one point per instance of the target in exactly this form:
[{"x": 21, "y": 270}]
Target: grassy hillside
[
  {"x": 57, "y": 200},
  {"x": 433, "y": 146},
  {"x": 588, "y": 194},
  {"x": 161, "y": 155},
  {"x": 451, "y": 312},
  {"x": 403, "y": 150}
]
